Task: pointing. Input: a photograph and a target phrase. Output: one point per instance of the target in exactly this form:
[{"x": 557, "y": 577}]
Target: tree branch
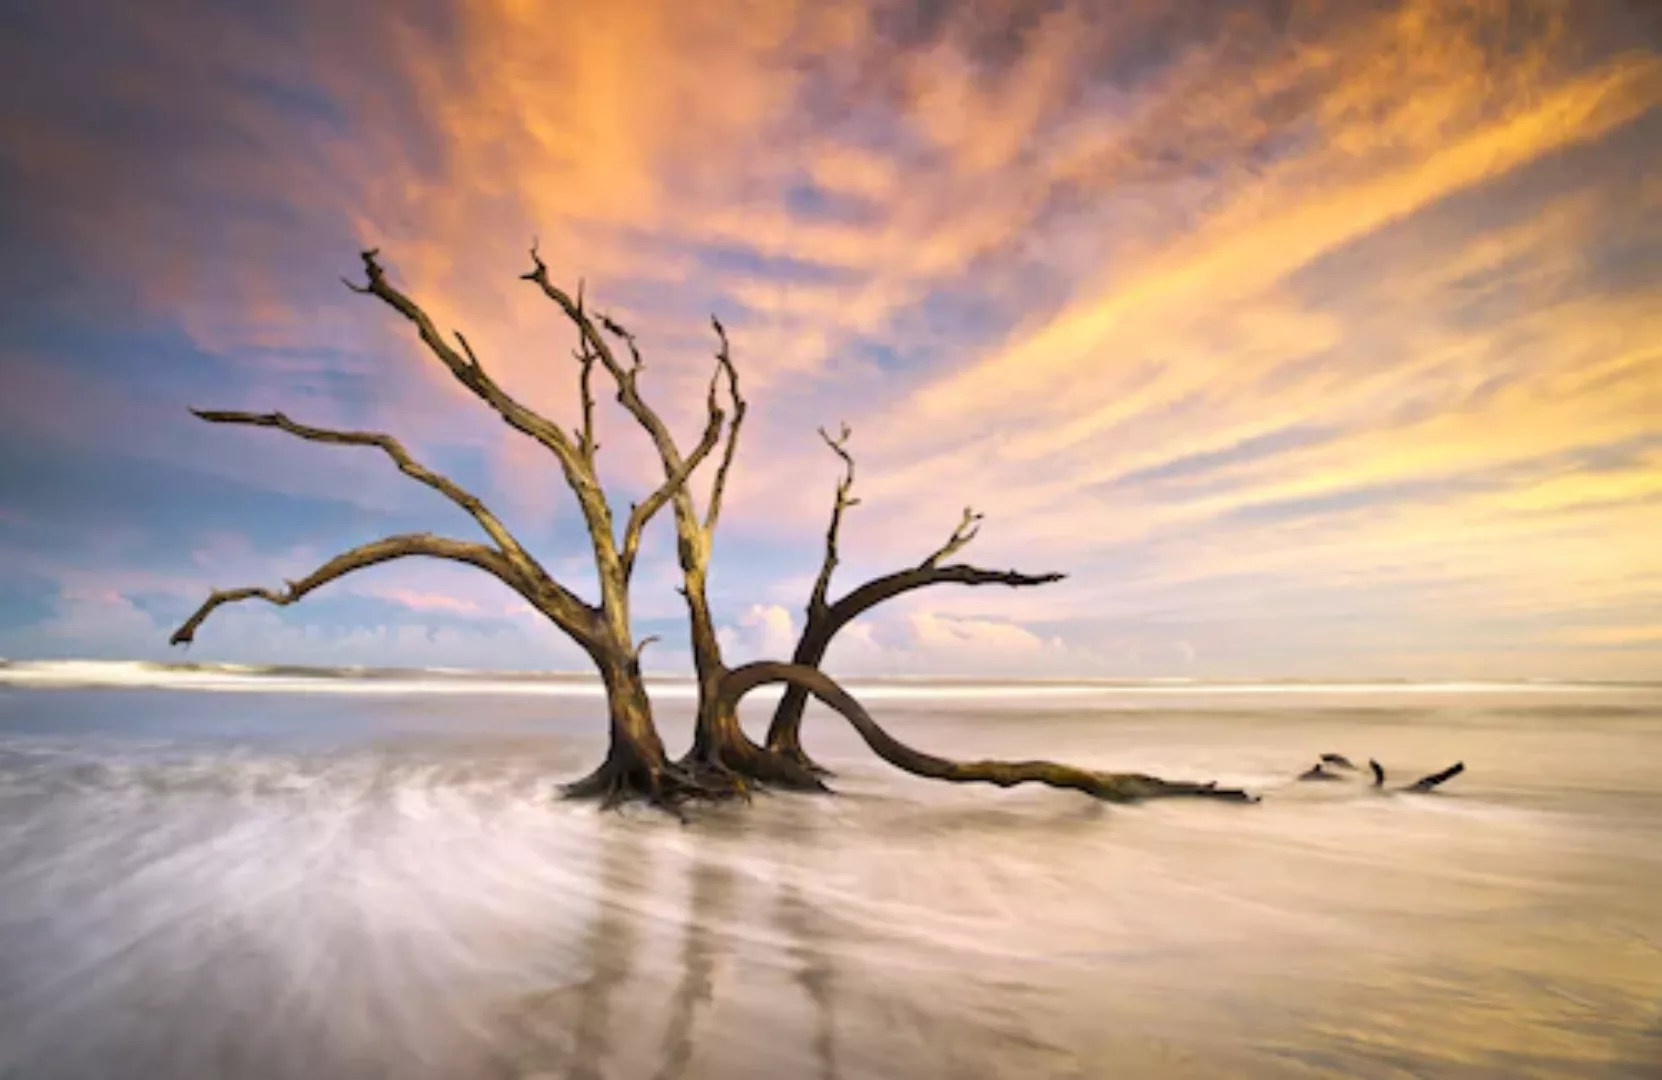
[
  {"x": 585, "y": 387},
  {"x": 784, "y": 730},
  {"x": 628, "y": 394},
  {"x": 573, "y": 608},
  {"x": 642, "y": 513},
  {"x": 588, "y": 334},
  {"x": 825, "y": 618},
  {"x": 366, "y": 555},
  {"x": 889, "y": 586},
  {"x": 966, "y": 531},
  {"x": 466, "y": 368},
  {"x": 724, "y": 360},
  {"x": 822, "y": 583}
]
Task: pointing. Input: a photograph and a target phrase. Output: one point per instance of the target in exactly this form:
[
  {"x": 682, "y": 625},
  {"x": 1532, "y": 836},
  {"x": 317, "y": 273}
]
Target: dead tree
[
  {"x": 636, "y": 764},
  {"x": 825, "y": 618},
  {"x": 723, "y": 760}
]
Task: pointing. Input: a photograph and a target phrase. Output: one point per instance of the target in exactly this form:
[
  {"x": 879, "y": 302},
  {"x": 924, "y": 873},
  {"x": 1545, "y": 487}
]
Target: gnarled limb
[
  {"x": 1113, "y": 787},
  {"x": 592, "y": 340},
  {"x": 826, "y": 619},
  {"x": 571, "y": 611},
  {"x": 784, "y": 731},
  {"x": 366, "y": 555},
  {"x": 465, "y": 365},
  {"x": 576, "y": 462}
]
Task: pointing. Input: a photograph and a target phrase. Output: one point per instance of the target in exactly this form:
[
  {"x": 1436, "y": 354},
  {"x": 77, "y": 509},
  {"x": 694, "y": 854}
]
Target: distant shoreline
[{"x": 48, "y": 674}]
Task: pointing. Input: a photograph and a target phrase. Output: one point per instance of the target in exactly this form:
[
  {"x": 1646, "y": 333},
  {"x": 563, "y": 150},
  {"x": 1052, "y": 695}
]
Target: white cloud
[
  {"x": 104, "y": 624},
  {"x": 764, "y": 631},
  {"x": 922, "y": 642},
  {"x": 939, "y": 632}
]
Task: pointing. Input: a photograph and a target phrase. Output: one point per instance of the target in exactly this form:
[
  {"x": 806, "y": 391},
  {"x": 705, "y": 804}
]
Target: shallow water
[{"x": 297, "y": 884}]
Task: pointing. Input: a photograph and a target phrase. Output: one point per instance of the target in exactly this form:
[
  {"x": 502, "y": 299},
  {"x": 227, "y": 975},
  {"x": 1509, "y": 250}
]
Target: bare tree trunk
[
  {"x": 635, "y": 764},
  {"x": 1113, "y": 787}
]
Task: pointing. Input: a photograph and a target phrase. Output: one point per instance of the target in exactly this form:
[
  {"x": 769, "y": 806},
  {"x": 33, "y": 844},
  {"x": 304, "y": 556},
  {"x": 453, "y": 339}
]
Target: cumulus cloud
[{"x": 762, "y": 632}]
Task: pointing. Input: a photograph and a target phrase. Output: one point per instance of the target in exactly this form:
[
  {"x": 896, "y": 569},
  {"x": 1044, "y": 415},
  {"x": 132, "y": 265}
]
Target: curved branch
[
  {"x": 825, "y": 619},
  {"x": 724, "y": 360},
  {"x": 366, "y": 555},
  {"x": 888, "y": 586},
  {"x": 527, "y": 567},
  {"x": 1114, "y": 787},
  {"x": 785, "y": 729}
]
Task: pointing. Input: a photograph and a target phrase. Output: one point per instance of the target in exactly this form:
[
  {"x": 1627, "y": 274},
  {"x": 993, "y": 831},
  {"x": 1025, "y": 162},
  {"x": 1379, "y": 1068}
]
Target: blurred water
[{"x": 290, "y": 884}]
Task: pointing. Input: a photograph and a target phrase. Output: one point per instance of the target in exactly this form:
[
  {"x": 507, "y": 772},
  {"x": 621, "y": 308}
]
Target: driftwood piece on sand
[{"x": 1424, "y": 783}]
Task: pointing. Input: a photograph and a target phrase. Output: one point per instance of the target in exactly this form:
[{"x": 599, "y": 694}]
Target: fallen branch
[{"x": 1113, "y": 787}]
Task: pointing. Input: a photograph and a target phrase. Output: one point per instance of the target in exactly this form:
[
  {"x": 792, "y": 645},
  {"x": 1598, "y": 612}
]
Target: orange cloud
[{"x": 1201, "y": 305}]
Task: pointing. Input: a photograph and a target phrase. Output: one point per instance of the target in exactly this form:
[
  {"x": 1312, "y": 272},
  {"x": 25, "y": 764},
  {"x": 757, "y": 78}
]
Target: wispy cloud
[{"x": 1299, "y": 334}]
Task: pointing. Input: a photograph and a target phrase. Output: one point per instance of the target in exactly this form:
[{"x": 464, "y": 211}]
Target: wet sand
[{"x": 292, "y": 884}]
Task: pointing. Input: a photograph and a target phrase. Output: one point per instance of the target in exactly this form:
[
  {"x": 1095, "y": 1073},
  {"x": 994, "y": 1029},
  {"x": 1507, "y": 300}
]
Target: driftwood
[{"x": 1418, "y": 787}]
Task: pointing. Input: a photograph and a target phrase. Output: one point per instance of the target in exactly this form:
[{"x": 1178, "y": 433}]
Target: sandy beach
[{"x": 329, "y": 881}]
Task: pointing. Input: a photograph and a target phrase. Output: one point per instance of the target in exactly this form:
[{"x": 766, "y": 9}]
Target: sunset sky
[{"x": 1310, "y": 339}]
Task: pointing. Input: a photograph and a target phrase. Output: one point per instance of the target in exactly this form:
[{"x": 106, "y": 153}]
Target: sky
[{"x": 1310, "y": 339}]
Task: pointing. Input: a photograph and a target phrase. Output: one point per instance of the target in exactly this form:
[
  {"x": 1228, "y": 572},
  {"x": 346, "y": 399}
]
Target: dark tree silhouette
[{"x": 723, "y": 761}]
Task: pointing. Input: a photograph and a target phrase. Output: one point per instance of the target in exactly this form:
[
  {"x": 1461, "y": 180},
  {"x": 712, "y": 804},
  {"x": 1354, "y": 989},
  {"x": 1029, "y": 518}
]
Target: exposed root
[
  {"x": 717, "y": 775},
  {"x": 666, "y": 786},
  {"x": 755, "y": 765},
  {"x": 723, "y": 746}
]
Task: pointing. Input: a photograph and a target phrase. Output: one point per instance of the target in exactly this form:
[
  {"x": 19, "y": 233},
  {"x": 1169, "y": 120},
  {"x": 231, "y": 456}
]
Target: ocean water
[{"x": 265, "y": 874}]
